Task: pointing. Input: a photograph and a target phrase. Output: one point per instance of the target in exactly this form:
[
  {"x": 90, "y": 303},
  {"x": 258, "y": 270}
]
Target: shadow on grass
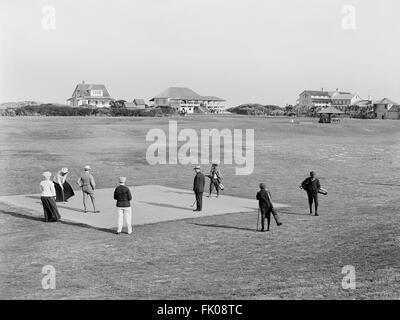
[
  {"x": 223, "y": 226},
  {"x": 71, "y": 209},
  {"x": 33, "y": 197},
  {"x": 179, "y": 192},
  {"x": 279, "y": 211},
  {"x": 58, "y": 205},
  {"x": 70, "y": 223},
  {"x": 164, "y": 205}
]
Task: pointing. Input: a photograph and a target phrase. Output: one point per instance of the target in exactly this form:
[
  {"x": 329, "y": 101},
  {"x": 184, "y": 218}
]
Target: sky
[{"x": 245, "y": 51}]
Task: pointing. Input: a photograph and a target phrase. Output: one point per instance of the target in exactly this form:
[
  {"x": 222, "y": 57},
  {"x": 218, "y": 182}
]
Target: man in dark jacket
[
  {"x": 198, "y": 188},
  {"x": 266, "y": 207},
  {"x": 312, "y": 186},
  {"x": 215, "y": 179},
  {"x": 123, "y": 196}
]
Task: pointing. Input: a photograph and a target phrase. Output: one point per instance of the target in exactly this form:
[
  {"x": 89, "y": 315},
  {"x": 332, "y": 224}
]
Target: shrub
[{"x": 83, "y": 111}]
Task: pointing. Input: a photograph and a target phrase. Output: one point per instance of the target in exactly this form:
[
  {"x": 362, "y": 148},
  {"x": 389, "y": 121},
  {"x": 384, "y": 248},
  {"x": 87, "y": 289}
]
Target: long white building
[{"x": 186, "y": 100}]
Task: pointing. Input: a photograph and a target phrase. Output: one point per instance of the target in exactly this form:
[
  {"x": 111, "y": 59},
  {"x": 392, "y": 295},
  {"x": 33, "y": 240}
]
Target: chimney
[
  {"x": 83, "y": 81},
  {"x": 322, "y": 89}
]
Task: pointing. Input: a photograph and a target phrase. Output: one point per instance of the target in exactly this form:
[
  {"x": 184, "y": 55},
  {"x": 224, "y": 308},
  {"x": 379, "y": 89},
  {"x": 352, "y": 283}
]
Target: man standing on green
[
  {"x": 86, "y": 182},
  {"x": 215, "y": 179},
  {"x": 266, "y": 207},
  {"x": 312, "y": 186},
  {"x": 198, "y": 188},
  {"x": 123, "y": 196}
]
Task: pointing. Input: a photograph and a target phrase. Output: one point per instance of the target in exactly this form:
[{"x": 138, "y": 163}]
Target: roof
[
  {"x": 90, "y": 98},
  {"x": 330, "y": 110},
  {"x": 178, "y": 93},
  {"x": 184, "y": 93},
  {"x": 317, "y": 93},
  {"x": 130, "y": 105},
  {"x": 138, "y": 101},
  {"x": 343, "y": 96},
  {"x": 395, "y": 108},
  {"x": 331, "y": 93},
  {"x": 362, "y": 103},
  {"x": 211, "y": 98},
  {"x": 385, "y": 101},
  {"x": 83, "y": 89}
]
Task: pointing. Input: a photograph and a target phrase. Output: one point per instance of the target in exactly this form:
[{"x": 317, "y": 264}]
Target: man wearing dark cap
[
  {"x": 312, "y": 186},
  {"x": 198, "y": 188},
  {"x": 215, "y": 179},
  {"x": 266, "y": 207},
  {"x": 123, "y": 196}
]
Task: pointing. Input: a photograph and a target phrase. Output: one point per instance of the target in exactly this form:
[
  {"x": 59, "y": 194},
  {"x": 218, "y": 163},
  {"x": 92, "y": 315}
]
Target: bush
[
  {"x": 255, "y": 109},
  {"x": 52, "y": 110},
  {"x": 103, "y": 112},
  {"x": 9, "y": 112},
  {"x": 66, "y": 111}
]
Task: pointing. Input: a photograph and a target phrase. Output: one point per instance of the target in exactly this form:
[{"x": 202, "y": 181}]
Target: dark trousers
[
  {"x": 313, "y": 197},
  {"x": 199, "y": 200},
  {"x": 214, "y": 183},
  {"x": 266, "y": 213}
]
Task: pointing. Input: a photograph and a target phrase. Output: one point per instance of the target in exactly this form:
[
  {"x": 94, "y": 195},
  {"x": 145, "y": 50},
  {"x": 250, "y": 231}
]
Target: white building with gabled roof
[
  {"x": 343, "y": 100},
  {"x": 95, "y": 95}
]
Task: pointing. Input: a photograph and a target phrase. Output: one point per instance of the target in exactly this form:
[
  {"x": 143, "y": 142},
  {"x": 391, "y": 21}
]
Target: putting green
[{"x": 150, "y": 204}]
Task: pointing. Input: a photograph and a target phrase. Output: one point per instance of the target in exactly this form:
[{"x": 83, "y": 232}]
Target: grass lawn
[{"x": 209, "y": 257}]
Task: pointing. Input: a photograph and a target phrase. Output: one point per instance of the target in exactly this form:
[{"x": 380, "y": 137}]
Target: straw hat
[
  {"x": 46, "y": 174},
  {"x": 87, "y": 168},
  {"x": 196, "y": 168},
  {"x": 64, "y": 170},
  {"x": 122, "y": 179}
]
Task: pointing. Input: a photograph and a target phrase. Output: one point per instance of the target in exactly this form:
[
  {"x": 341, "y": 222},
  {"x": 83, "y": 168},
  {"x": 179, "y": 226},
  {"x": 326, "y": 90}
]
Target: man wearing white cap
[
  {"x": 123, "y": 196},
  {"x": 86, "y": 182},
  {"x": 198, "y": 188}
]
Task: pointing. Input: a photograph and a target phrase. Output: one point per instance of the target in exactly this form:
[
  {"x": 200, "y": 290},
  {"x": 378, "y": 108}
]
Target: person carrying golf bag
[
  {"x": 312, "y": 186},
  {"x": 215, "y": 179},
  {"x": 266, "y": 208}
]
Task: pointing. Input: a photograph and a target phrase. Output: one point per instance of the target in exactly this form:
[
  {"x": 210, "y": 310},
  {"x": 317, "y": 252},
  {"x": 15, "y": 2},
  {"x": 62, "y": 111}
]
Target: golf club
[{"x": 258, "y": 217}]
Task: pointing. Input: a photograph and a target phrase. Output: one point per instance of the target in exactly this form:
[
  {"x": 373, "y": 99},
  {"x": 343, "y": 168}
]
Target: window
[{"x": 96, "y": 93}]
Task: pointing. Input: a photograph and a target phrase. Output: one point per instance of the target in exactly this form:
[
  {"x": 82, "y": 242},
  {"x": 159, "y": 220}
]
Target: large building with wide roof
[{"x": 185, "y": 100}]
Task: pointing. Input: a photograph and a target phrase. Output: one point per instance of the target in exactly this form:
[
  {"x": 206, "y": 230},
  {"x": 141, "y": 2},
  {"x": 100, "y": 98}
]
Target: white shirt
[
  {"x": 59, "y": 178},
  {"x": 47, "y": 188}
]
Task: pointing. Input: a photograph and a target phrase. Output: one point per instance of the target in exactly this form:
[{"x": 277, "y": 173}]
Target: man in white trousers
[{"x": 123, "y": 196}]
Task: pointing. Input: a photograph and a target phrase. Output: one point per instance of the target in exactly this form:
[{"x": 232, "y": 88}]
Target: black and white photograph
[{"x": 182, "y": 151}]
